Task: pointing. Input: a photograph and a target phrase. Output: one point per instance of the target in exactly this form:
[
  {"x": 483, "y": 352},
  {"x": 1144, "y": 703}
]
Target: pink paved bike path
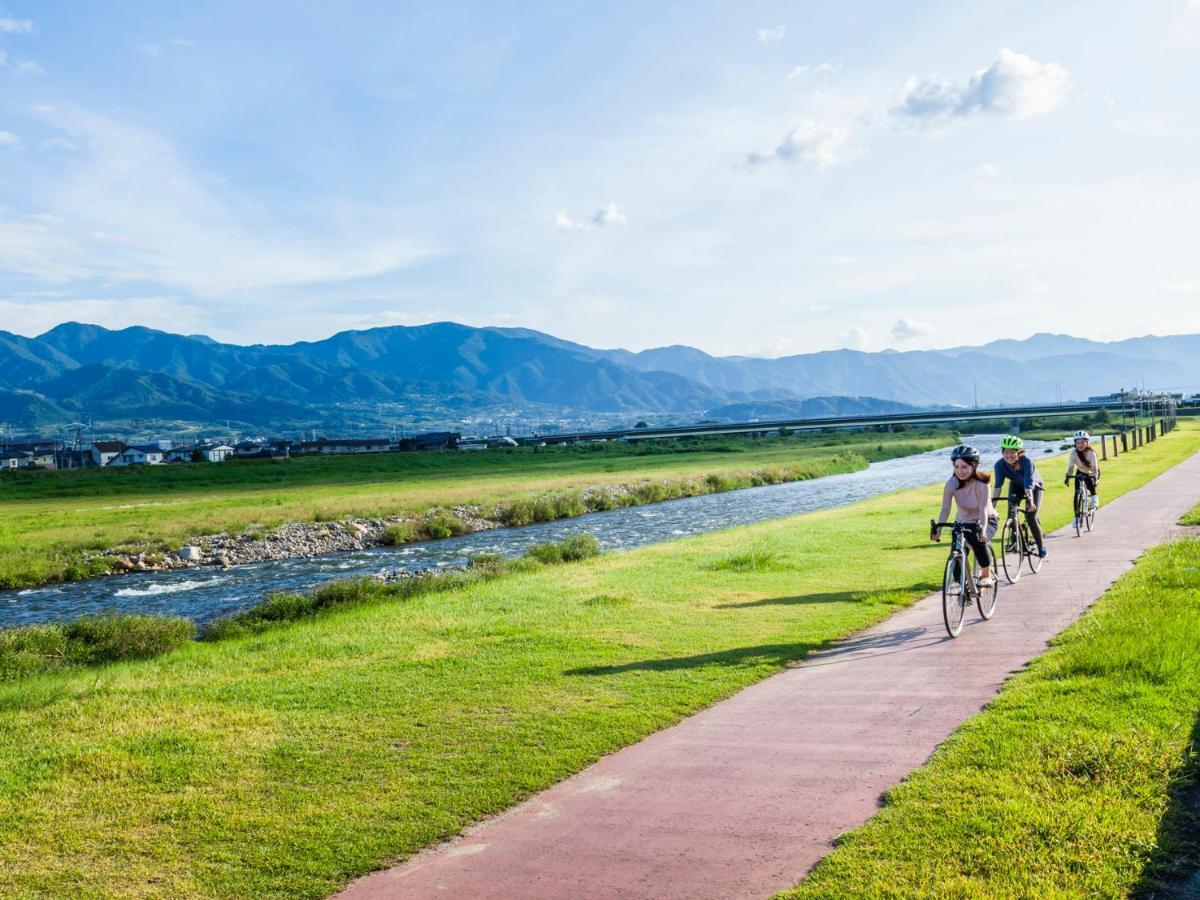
[{"x": 743, "y": 798}]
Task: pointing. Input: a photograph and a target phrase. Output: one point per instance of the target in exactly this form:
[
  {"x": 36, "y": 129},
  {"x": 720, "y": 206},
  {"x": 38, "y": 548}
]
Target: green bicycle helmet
[{"x": 1011, "y": 442}]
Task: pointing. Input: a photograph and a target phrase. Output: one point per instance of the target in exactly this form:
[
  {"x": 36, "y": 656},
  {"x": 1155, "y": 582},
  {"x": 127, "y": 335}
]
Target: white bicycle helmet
[{"x": 1081, "y": 436}]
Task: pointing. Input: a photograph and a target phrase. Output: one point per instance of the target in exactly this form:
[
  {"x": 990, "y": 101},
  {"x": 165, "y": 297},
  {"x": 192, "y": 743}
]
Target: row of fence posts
[{"x": 1135, "y": 437}]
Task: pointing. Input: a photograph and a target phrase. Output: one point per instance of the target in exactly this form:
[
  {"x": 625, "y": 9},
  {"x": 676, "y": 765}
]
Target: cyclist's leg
[
  {"x": 983, "y": 552},
  {"x": 1035, "y": 527},
  {"x": 1093, "y": 497}
]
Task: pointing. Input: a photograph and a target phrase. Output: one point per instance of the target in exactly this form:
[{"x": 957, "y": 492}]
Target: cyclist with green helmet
[{"x": 1024, "y": 481}]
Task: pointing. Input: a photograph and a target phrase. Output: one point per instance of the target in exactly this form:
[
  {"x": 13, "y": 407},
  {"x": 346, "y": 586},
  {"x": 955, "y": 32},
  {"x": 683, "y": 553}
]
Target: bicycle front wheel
[
  {"x": 986, "y": 600},
  {"x": 1031, "y": 550},
  {"x": 953, "y": 603},
  {"x": 1091, "y": 518},
  {"x": 1080, "y": 512},
  {"x": 1012, "y": 551}
]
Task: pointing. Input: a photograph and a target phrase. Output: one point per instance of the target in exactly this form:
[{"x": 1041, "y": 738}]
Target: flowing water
[{"x": 204, "y": 594}]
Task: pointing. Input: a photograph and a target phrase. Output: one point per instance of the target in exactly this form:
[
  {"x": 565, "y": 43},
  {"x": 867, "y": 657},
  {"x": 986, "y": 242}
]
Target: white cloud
[
  {"x": 843, "y": 260},
  {"x": 15, "y": 26},
  {"x": 8, "y": 139},
  {"x": 126, "y": 209},
  {"x": 151, "y": 50},
  {"x": 824, "y": 68},
  {"x": 58, "y": 143},
  {"x": 183, "y": 42},
  {"x": 988, "y": 170},
  {"x": 907, "y": 329},
  {"x": 771, "y": 35},
  {"x": 29, "y": 67},
  {"x": 818, "y": 143},
  {"x": 601, "y": 218},
  {"x": 1014, "y": 85},
  {"x": 853, "y": 339}
]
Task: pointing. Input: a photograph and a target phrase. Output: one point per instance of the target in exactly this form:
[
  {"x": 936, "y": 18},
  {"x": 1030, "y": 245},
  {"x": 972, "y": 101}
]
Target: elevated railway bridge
[{"x": 1146, "y": 405}]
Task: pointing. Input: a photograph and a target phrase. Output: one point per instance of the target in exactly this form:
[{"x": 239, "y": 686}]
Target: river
[{"x": 204, "y": 594}]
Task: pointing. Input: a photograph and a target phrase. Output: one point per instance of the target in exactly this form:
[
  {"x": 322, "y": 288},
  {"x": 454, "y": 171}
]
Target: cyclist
[
  {"x": 1019, "y": 471},
  {"x": 968, "y": 487},
  {"x": 1082, "y": 458}
]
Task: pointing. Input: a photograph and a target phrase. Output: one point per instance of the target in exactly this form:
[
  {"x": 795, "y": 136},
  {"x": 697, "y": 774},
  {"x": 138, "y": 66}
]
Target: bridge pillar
[{"x": 1014, "y": 425}]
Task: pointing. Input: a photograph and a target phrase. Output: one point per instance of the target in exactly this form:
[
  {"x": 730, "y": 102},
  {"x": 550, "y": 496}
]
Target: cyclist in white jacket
[{"x": 1082, "y": 459}]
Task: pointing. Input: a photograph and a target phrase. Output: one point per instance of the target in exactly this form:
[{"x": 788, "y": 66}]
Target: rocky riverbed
[{"x": 308, "y": 539}]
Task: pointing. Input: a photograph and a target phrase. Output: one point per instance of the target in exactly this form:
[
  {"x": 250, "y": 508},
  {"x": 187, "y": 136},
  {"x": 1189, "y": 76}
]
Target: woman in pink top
[{"x": 968, "y": 488}]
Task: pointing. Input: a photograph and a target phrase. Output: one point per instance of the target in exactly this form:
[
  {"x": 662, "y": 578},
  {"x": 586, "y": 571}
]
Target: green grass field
[
  {"x": 50, "y": 520},
  {"x": 291, "y": 761},
  {"x": 1073, "y": 782}
]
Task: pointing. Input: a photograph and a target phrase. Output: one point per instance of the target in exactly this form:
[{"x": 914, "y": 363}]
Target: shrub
[
  {"x": 569, "y": 505},
  {"x": 443, "y": 525},
  {"x": 515, "y": 512},
  {"x": 719, "y": 483},
  {"x": 96, "y": 639},
  {"x": 544, "y": 509},
  {"x": 30, "y": 650},
  {"x": 400, "y": 533},
  {"x": 576, "y": 547},
  {"x": 599, "y": 501}
]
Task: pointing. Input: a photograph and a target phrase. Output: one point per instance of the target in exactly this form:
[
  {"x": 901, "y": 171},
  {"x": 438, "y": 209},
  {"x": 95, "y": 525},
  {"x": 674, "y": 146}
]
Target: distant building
[
  {"x": 338, "y": 446},
  {"x": 213, "y": 452},
  {"x": 13, "y": 459},
  {"x": 104, "y": 452},
  {"x": 434, "y": 440},
  {"x": 139, "y": 455}
]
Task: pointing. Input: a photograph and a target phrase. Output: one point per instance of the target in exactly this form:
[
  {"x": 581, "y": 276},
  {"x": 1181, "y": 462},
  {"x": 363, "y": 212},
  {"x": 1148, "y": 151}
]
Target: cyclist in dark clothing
[{"x": 1024, "y": 481}]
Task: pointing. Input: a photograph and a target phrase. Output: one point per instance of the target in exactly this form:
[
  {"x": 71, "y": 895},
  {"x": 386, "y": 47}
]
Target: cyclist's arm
[
  {"x": 1027, "y": 475},
  {"x": 1070, "y": 466},
  {"x": 998, "y": 478},
  {"x": 947, "y": 494}
]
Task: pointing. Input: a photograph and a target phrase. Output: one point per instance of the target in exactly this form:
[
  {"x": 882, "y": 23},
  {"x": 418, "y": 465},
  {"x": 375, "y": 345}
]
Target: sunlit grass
[{"x": 290, "y": 761}]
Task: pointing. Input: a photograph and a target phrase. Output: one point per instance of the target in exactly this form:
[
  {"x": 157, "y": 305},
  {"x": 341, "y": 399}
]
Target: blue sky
[{"x": 751, "y": 178}]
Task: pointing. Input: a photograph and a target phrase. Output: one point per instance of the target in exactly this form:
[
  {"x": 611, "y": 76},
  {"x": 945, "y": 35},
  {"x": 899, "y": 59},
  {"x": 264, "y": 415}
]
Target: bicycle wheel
[
  {"x": 1031, "y": 550},
  {"x": 986, "y": 599},
  {"x": 953, "y": 605},
  {"x": 1012, "y": 551},
  {"x": 1091, "y": 517},
  {"x": 1079, "y": 514}
]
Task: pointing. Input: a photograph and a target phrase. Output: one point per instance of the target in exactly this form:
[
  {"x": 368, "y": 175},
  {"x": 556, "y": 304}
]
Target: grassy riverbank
[
  {"x": 1073, "y": 782},
  {"x": 289, "y": 761},
  {"x": 49, "y": 521}
]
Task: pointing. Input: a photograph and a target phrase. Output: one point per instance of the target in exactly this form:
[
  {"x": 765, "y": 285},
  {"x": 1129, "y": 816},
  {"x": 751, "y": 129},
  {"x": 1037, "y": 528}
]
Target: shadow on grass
[
  {"x": 769, "y": 654},
  {"x": 919, "y": 589},
  {"x": 1173, "y": 871},
  {"x": 848, "y": 651}
]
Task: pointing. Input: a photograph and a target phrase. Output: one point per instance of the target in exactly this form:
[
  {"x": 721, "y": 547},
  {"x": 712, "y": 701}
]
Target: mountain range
[{"x": 447, "y": 372}]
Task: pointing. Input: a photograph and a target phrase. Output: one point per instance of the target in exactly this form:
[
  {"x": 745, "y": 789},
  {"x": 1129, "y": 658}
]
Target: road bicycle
[
  {"x": 1085, "y": 516},
  {"x": 961, "y": 572},
  {"x": 1017, "y": 546}
]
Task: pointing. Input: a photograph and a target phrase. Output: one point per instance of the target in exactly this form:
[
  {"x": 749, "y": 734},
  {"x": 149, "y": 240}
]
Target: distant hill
[{"x": 444, "y": 370}]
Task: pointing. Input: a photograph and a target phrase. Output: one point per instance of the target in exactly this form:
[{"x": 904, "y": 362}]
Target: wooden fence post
[{"x": 1103, "y": 447}]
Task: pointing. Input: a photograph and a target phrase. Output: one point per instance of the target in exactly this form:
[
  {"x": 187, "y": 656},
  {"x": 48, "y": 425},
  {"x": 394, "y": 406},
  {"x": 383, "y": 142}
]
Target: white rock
[{"x": 190, "y": 553}]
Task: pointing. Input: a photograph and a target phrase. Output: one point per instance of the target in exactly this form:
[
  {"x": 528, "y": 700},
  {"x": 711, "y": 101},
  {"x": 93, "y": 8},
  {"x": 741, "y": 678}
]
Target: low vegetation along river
[{"x": 206, "y": 594}]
